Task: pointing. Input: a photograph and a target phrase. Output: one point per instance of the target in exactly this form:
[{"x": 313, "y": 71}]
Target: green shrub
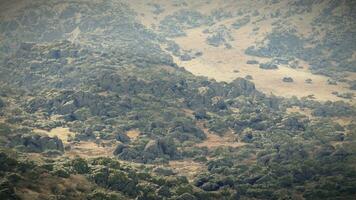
[{"x": 80, "y": 165}]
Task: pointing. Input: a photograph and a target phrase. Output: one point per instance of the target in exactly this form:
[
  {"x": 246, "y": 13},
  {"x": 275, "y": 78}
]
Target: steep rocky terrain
[{"x": 97, "y": 100}]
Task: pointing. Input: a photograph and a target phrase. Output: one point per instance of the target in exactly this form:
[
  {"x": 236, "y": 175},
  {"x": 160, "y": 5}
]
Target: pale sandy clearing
[
  {"x": 89, "y": 149},
  {"x": 133, "y": 134},
  {"x": 187, "y": 168}
]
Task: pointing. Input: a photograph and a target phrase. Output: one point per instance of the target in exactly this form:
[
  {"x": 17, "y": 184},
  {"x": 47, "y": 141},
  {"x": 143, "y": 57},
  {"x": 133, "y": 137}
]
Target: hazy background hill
[{"x": 298, "y": 37}]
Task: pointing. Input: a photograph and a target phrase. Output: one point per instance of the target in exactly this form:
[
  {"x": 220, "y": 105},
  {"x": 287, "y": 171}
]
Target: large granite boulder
[
  {"x": 122, "y": 137},
  {"x": 162, "y": 147},
  {"x": 2, "y": 103},
  {"x": 153, "y": 150},
  {"x": 37, "y": 143}
]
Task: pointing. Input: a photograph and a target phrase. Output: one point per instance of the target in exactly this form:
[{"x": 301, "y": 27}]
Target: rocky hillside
[{"x": 94, "y": 104}]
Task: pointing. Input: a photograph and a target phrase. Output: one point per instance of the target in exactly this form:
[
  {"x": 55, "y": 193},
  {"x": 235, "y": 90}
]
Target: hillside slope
[{"x": 94, "y": 104}]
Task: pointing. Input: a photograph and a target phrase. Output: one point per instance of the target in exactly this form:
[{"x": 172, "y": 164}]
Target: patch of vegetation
[
  {"x": 241, "y": 22},
  {"x": 288, "y": 79},
  {"x": 220, "y": 36},
  {"x": 175, "y": 24}
]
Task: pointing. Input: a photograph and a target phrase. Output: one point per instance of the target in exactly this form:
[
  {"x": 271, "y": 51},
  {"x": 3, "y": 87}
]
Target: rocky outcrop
[
  {"x": 162, "y": 148},
  {"x": 2, "y": 103},
  {"x": 37, "y": 143},
  {"x": 241, "y": 86},
  {"x": 122, "y": 137},
  {"x": 153, "y": 148}
]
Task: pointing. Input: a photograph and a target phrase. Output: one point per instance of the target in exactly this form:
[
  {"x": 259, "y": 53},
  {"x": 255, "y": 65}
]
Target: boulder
[
  {"x": 153, "y": 147},
  {"x": 164, "y": 171},
  {"x": 210, "y": 186},
  {"x": 163, "y": 191},
  {"x": 268, "y": 66},
  {"x": 309, "y": 81},
  {"x": 252, "y": 62},
  {"x": 168, "y": 147},
  {"x": 241, "y": 86},
  {"x": 2, "y": 103},
  {"x": 122, "y": 137},
  {"x": 248, "y": 77},
  {"x": 160, "y": 148},
  {"x": 120, "y": 148},
  {"x": 185, "y": 57},
  {"x": 67, "y": 108},
  {"x": 201, "y": 114},
  {"x": 352, "y": 85},
  {"x": 37, "y": 143},
  {"x": 288, "y": 79},
  {"x": 219, "y": 104},
  {"x": 54, "y": 54},
  {"x": 332, "y": 82}
]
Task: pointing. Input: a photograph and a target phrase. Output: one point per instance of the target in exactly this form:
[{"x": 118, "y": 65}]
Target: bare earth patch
[
  {"x": 187, "y": 168},
  {"x": 133, "y": 134},
  {"x": 89, "y": 149},
  {"x": 214, "y": 140}
]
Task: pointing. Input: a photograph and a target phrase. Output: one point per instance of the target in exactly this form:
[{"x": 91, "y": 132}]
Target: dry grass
[
  {"x": 104, "y": 94},
  {"x": 61, "y": 132},
  {"x": 219, "y": 63},
  {"x": 213, "y": 140},
  {"x": 343, "y": 121},
  {"x": 89, "y": 149},
  {"x": 187, "y": 168},
  {"x": 133, "y": 134}
]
